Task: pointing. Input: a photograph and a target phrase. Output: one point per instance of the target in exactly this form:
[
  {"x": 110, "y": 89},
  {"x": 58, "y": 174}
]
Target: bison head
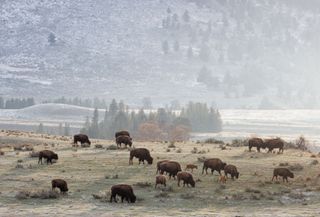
[
  {"x": 133, "y": 199},
  {"x": 223, "y": 165},
  {"x": 291, "y": 175},
  {"x": 89, "y": 142},
  {"x": 150, "y": 160},
  {"x": 64, "y": 189},
  {"x": 192, "y": 182},
  {"x": 55, "y": 156}
]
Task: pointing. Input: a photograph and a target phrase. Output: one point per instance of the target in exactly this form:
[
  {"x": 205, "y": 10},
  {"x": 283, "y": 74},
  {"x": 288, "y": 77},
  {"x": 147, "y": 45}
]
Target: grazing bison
[
  {"x": 47, "y": 154},
  {"x": 125, "y": 140},
  {"x": 274, "y": 143},
  {"x": 170, "y": 167},
  {"x": 142, "y": 154},
  {"x": 122, "y": 133},
  {"x": 222, "y": 179},
  {"x": 82, "y": 138},
  {"x": 158, "y": 165},
  {"x": 61, "y": 184},
  {"x": 160, "y": 179},
  {"x": 213, "y": 164},
  {"x": 256, "y": 142},
  {"x": 187, "y": 179},
  {"x": 124, "y": 191},
  {"x": 191, "y": 166},
  {"x": 232, "y": 170},
  {"x": 284, "y": 172}
]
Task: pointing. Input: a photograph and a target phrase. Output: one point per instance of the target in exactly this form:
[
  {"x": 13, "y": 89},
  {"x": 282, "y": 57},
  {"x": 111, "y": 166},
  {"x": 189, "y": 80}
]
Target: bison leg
[
  {"x": 273, "y": 177},
  {"x": 179, "y": 182},
  {"x": 258, "y": 148},
  {"x": 40, "y": 160},
  {"x": 219, "y": 171},
  {"x": 155, "y": 186}
]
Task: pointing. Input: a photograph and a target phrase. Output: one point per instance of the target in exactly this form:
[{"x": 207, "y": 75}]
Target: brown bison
[
  {"x": 158, "y": 165},
  {"x": 284, "y": 172},
  {"x": 274, "y": 143},
  {"x": 256, "y": 142},
  {"x": 213, "y": 164},
  {"x": 47, "y": 154},
  {"x": 122, "y": 133},
  {"x": 61, "y": 184},
  {"x": 82, "y": 138},
  {"x": 160, "y": 179},
  {"x": 170, "y": 167},
  {"x": 222, "y": 179},
  {"x": 232, "y": 170},
  {"x": 187, "y": 179},
  {"x": 124, "y": 191},
  {"x": 125, "y": 140},
  {"x": 142, "y": 154},
  {"x": 191, "y": 167}
]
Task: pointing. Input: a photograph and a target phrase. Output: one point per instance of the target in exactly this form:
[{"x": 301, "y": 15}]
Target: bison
[
  {"x": 213, "y": 164},
  {"x": 158, "y": 165},
  {"x": 232, "y": 170},
  {"x": 191, "y": 166},
  {"x": 142, "y": 154},
  {"x": 170, "y": 167},
  {"x": 61, "y": 184},
  {"x": 124, "y": 191},
  {"x": 256, "y": 142},
  {"x": 274, "y": 143},
  {"x": 49, "y": 155},
  {"x": 284, "y": 172},
  {"x": 187, "y": 179},
  {"x": 82, "y": 138},
  {"x": 122, "y": 133},
  {"x": 222, "y": 179},
  {"x": 160, "y": 179},
  {"x": 124, "y": 139}
]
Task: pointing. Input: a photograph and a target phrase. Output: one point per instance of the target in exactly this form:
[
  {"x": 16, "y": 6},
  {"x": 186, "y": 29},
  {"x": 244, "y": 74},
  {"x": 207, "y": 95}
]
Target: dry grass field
[{"x": 90, "y": 173}]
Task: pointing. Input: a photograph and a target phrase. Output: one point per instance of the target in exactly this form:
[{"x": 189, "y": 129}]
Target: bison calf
[
  {"x": 232, "y": 170},
  {"x": 191, "y": 166},
  {"x": 61, "y": 184},
  {"x": 187, "y": 179},
  {"x": 47, "y": 154},
  {"x": 284, "y": 172},
  {"x": 124, "y": 191},
  {"x": 160, "y": 179}
]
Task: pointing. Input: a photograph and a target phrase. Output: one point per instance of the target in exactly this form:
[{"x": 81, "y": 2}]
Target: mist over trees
[
  {"x": 162, "y": 124},
  {"x": 16, "y": 103}
]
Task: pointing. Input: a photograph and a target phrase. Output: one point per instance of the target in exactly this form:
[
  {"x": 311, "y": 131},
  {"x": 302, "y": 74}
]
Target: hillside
[{"x": 235, "y": 54}]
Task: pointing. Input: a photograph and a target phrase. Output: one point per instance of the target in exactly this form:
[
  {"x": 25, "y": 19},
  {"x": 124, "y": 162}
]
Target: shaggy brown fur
[
  {"x": 256, "y": 142},
  {"x": 274, "y": 143},
  {"x": 82, "y": 138},
  {"x": 187, "y": 178},
  {"x": 158, "y": 165},
  {"x": 124, "y": 191},
  {"x": 160, "y": 179},
  {"x": 284, "y": 172},
  {"x": 125, "y": 140},
  {"x": 171, "y": 167},
  {"x": 213, "y": 164},
  {"x": 122, "y": 133},
  {"x": 61, "y": 184},
  {"x": 142, "y": 154},
  {"x": 232, "y": 170},
  {"x": 191, "y": 167},
  {"x": 47, "y": 154}
]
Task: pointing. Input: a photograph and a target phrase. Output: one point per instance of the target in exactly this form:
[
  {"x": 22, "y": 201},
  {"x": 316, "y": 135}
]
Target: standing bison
[
  {"x": 284, "y": 172},
  {"x": 61, "y": 184},
  {"x": 122, "y": 133},
  {"x": 124, "y": 191},
  {"x": 82, "y": 138},
  {"x": 256, "y": 142},
  {"x": 187, "y": 178},
  {"x": 170, "y": 167},
  {"x": 142, "y": 154},
  {"x": 47, "y": 154},
  {"x": 124, "y": 140},
  {"x": 232, "y": 170},
  {"x": 213, "y": 164},
  {"x": 275, "y": 143},
  {"x": 158, "y": 165}
]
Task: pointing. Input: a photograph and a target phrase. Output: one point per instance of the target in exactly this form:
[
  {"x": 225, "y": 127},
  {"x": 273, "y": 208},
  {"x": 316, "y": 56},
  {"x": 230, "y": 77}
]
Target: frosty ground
[{"x": 91, "y": 171}]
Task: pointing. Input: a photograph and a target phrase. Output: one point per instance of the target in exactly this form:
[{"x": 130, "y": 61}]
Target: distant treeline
[
  {"x": 164, "y": 124},
  {"x": 90, "y": 103},
  {"x": 16, "y": 103}
]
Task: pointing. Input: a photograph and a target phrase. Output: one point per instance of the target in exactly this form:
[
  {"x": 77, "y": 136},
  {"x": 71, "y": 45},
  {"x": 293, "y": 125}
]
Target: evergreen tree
[
  {"x": 1, "y": 103},
  {"x": 165, "y": 47},
  {"x": 60, "y": 131},
  {"x": 94, "y": 128},
  {"x": 176, "y": 46},
  {"x": 113, "y": 108},
  {"x": 146, "y": 103},
  {"x": 40, "y": 128},
  {"x": 66, "y": 129}
]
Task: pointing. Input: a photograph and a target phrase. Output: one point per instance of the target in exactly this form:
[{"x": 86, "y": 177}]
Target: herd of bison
[{"x": 168, "y": 167}]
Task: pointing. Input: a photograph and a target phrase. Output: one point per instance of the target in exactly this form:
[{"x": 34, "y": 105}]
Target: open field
[{"x": 93, "y": 171}]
